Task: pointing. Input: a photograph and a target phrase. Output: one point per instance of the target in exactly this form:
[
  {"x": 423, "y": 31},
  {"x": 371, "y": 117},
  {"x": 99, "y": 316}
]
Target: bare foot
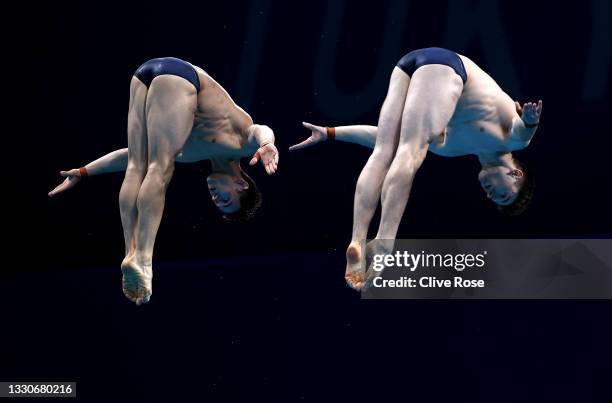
[
  {"x": 355, "y": 273},
  {"x": 376, "y": 247},
  {"x": 137, "y": 281}
]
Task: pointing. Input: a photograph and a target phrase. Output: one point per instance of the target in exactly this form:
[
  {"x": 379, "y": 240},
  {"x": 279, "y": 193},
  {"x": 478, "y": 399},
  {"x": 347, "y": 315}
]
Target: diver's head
[
  {"x": 235, "y": 195},
  {"x": 509, "y": 187}
]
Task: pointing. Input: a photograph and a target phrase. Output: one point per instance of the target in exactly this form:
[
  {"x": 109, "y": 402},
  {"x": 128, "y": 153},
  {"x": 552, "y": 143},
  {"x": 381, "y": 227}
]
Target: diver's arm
[
  {"x": 525, "y": 125},
  {"x": 115, "y": 161},
  {"x": 262, "y": 137},
  {"x": 359, "y": 134}
]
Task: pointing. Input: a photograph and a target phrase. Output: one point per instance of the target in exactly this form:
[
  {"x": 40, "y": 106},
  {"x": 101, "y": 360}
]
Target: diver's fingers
[
  {"x": 65, "y": 185},
  {"x": 75, "y": 172},
  {"x": 539, "y": 108},
  {"x": 254, "y": 159},
  {"x": 303, "y": 144},
  {"x": 58, "y": 189},
  {"x": 70, "y": 172},
  {"x": 312, "y": 127}
]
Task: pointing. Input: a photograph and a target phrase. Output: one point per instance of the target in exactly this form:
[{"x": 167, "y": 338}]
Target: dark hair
[
  {"x": 525, "y": 194},
  {"x": 250, "y": 201}
]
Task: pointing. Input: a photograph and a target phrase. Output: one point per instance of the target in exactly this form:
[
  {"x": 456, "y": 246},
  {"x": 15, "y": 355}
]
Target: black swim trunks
[
  {"x": 167, "y": 65},
  {"x": 421, "y": 57}
]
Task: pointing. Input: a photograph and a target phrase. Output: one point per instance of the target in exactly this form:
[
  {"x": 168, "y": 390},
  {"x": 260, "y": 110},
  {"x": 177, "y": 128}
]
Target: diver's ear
[
  {"x": 516, "y": 173},
  {"x": 243, "y": 185}
]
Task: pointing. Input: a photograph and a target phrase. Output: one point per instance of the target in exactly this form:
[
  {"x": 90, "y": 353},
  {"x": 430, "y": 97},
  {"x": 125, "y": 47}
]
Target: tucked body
[
  {"x": 177, "y": 113},
  {"x": 442, "y": 102}
]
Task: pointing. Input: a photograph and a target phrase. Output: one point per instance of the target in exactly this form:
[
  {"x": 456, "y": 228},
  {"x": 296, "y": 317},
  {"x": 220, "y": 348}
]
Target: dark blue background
[{"x": 260, "y": 311}]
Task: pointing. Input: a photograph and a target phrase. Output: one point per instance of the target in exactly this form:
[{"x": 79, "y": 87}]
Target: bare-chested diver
[
  {"x": 177, "y": 112},
  {"x": 442, "y": 102}
]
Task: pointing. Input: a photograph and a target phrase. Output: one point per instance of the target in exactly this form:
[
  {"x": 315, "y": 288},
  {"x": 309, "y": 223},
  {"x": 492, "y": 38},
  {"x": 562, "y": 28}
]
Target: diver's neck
[
  {"x": 226, "y": 166},
  {"x": 497, "y": 159}
]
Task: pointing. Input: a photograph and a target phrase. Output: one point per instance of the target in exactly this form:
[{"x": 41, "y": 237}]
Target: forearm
[
  {"x": 522, "y": 132},
  {"x": 359, "y": 134},
  {"x": 260, "y": 135},
  {"x": 115, "y": 161}
]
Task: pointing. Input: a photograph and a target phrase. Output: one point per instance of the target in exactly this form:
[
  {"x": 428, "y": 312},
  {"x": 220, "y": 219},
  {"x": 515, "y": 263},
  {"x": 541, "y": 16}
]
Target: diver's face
[
  {"x": 225, "y": 191},
  {"x": 501, "y": 184}
]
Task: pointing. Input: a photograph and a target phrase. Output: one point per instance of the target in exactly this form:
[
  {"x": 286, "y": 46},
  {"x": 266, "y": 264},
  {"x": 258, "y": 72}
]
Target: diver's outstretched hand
[
  {"x": 317, "y": 135},
  {"x": 268, "y": 155},
  {"x": 530, "y": 112},
  {"x": 72, "y": 176}
]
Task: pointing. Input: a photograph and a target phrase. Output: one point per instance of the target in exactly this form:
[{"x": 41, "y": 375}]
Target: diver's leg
[
  {"x": 367, "y": 193},
  {"x": 137, "y": 162},
  {"x": 431, "y": 101},
  {"x": 171, "y": 104}
]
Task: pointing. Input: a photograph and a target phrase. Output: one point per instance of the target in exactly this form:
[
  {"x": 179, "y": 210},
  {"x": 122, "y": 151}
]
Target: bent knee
[
  {"x": 164, "y": 167},
  {"x": 407, "y": 159},
  {"x": 383, "y": 154},
  {"x": 136, "y": 169}
]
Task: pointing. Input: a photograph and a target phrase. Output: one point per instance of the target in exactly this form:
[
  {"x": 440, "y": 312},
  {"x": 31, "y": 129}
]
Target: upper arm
[
  {"x": 188, "y": 154},
  {"x": 364, "y": 135},
  {"x": 370, "y": 138}
]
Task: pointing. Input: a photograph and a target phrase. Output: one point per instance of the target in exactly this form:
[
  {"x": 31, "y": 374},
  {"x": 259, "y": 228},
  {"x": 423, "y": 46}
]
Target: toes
[
  {"x": 355, "y": 281},
  {"x": 139, "y": 296},
  {"x": 352, "y": 285},
  {"x": 146, "y": 298},
  {"x": 131, "y": 295}
]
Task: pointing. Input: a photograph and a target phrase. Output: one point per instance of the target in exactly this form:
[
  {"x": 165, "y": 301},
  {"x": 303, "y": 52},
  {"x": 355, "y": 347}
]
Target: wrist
[
  {"x": 331, "y": 133},
  {"x": 263, "y": 135},
  {"x": 83, "y": 173},
  {"x": 530, "y": 125}
]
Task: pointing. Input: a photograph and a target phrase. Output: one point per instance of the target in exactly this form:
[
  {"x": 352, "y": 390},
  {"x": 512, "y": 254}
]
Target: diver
[
  {"x": 177, "y": 113},
  {"x": 442, "y": 102}
]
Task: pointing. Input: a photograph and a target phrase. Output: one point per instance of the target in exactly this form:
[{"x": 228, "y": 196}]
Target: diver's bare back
[
  {"x": 220, "y": 126},
  {"x": 482, "y": 119}
]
